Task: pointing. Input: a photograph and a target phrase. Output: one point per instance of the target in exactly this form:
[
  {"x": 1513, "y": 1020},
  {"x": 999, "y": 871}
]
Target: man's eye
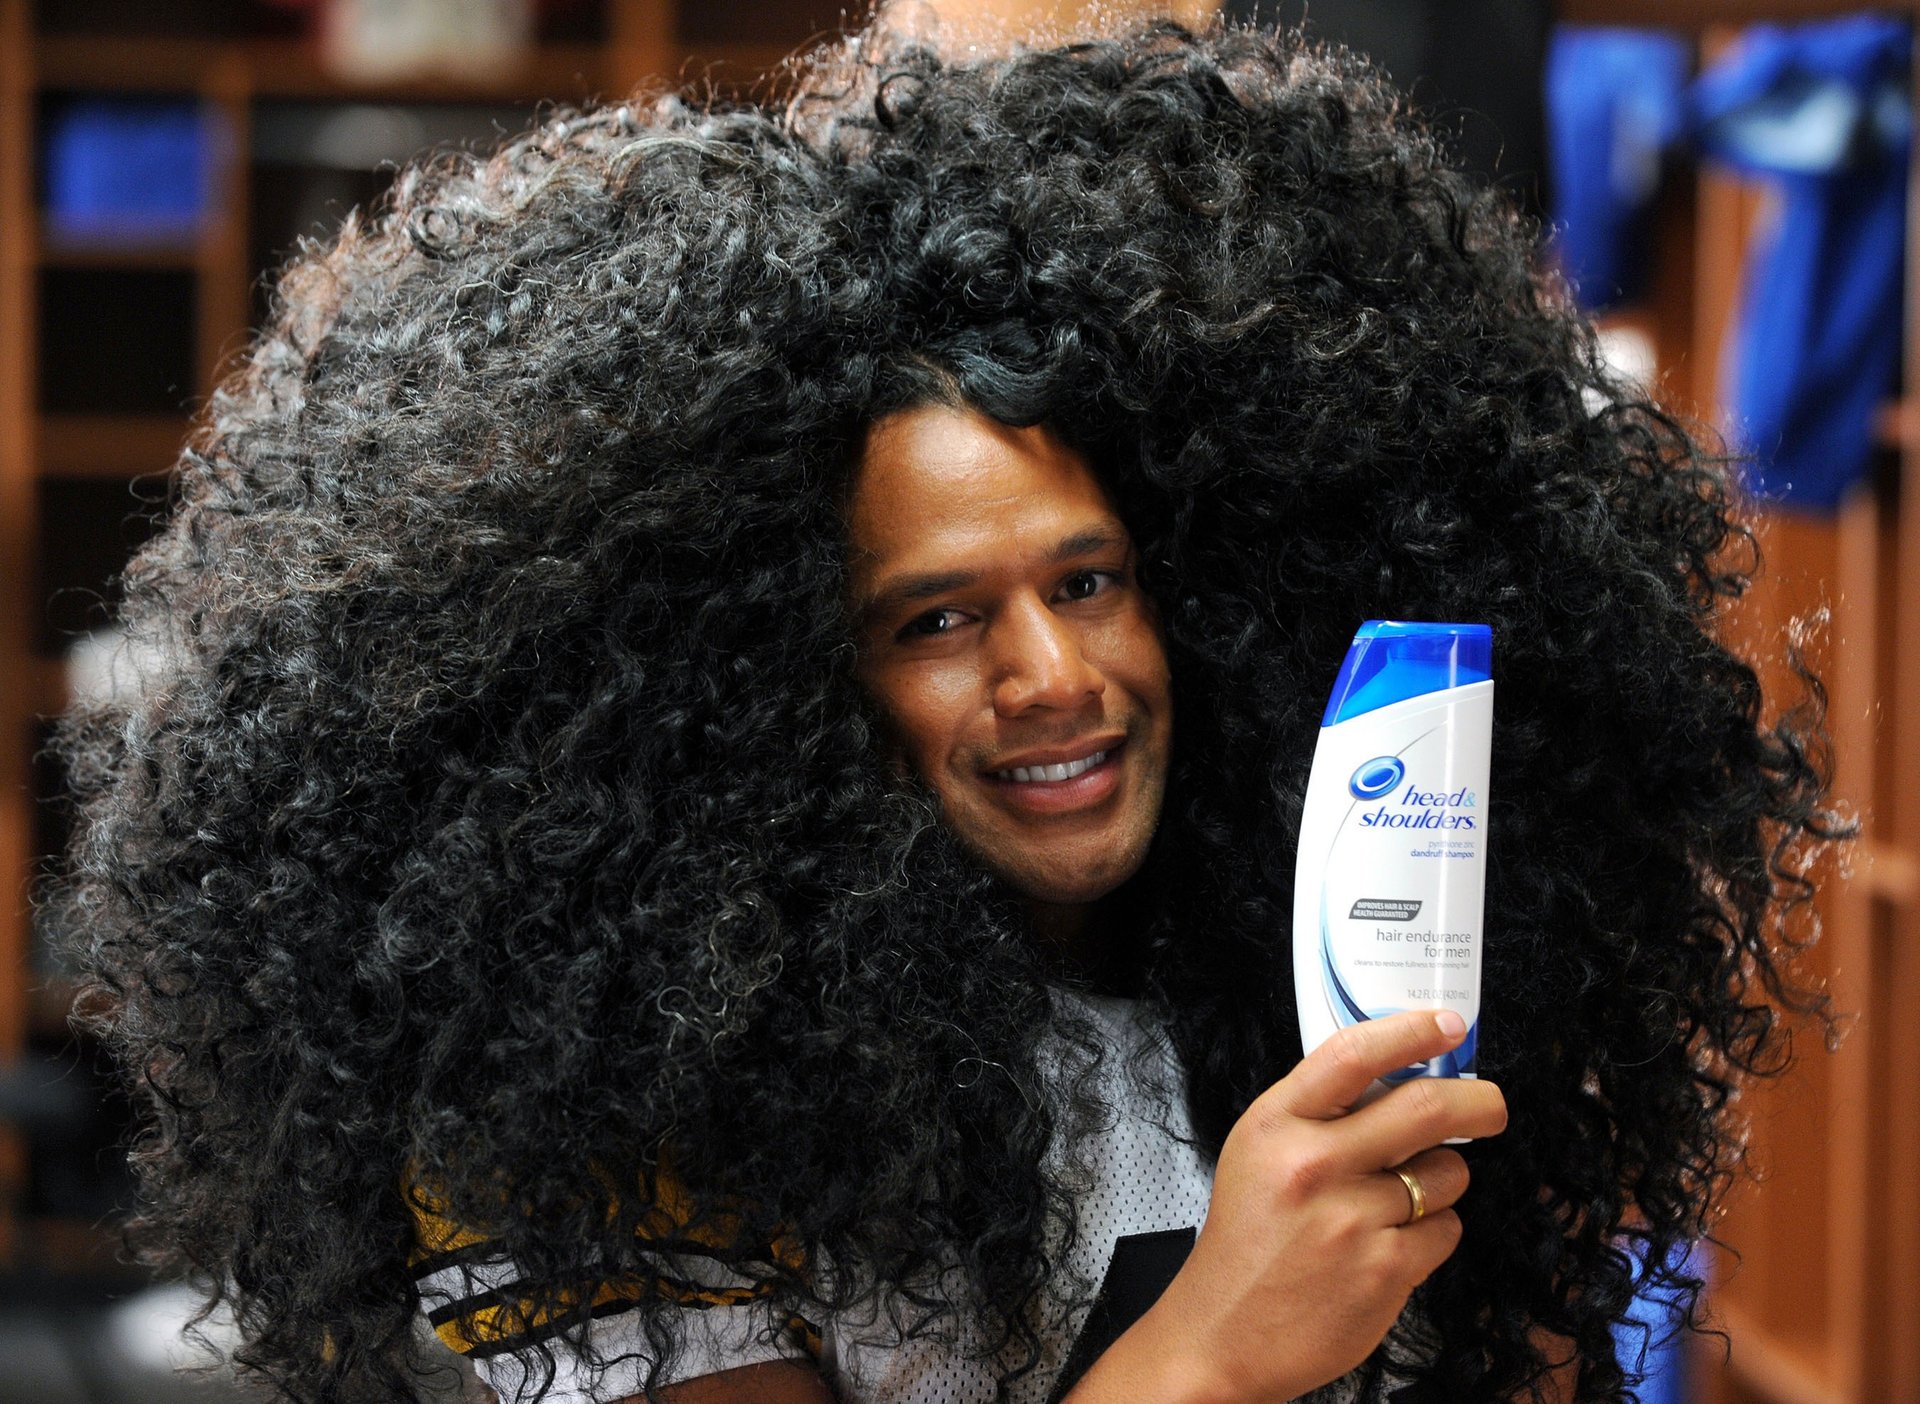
[
  {"x": 931, "y": 624},
  {"x": 1084, "y": 584}
]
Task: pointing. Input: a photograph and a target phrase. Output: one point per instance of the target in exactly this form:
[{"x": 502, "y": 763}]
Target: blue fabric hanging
[
  {"x": 1616, "y": 101},
  {"x": 1819, "y": 111},
  {"x": 1651, "y": 1343},
  {"x": 129, "y": 169}
]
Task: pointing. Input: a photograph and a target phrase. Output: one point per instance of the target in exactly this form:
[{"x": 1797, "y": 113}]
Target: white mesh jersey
[{"x": 1141, "y": 1197}]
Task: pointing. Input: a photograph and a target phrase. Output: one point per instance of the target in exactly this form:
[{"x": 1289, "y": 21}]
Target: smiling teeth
[{"x": 1026, "y": 774}]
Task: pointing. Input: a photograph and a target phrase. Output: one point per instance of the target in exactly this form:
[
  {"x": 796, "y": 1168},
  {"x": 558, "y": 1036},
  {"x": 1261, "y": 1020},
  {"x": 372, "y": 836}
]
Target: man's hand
[{"x": 1306, "y": 1258}]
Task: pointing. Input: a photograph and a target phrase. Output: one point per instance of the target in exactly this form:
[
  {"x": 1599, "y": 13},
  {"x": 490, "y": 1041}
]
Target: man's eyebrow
[
  {"x": 1086, "y": 543},
  {"x": 909, "y": 589}
]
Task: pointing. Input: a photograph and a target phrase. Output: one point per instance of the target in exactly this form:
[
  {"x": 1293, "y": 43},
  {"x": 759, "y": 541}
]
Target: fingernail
[{"x": 1450, "y": 1023}]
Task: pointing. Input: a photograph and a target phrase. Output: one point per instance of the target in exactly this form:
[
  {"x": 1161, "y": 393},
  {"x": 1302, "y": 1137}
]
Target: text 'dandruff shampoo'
[{"x": 1390, "y": 888}]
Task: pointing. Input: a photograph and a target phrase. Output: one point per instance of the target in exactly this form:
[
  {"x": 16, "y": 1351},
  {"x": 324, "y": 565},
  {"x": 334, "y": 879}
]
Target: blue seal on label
[{"x": 1376, "y": 778}]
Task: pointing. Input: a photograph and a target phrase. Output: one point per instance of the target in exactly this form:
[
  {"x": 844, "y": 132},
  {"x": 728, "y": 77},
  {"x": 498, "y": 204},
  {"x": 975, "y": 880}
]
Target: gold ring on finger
[{"x": 1417, "y": 1207}]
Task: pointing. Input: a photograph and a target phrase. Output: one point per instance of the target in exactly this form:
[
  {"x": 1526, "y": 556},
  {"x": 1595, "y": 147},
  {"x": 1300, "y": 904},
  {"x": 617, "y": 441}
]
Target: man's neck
[{"x": 1087, "y": 941}]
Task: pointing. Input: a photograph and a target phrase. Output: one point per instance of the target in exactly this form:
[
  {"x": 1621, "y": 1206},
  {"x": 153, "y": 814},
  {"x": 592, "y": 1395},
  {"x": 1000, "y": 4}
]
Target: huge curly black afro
[{"x": 506, "y": 813}]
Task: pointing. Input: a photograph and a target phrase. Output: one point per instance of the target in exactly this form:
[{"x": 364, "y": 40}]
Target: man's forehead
[
  {"x": 942, "y": 471},
  {"x": 955, "y": 442}
]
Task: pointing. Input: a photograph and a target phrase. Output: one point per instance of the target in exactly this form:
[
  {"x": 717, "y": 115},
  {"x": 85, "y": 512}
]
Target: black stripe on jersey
[
  {"x": 684, "y": 1293},
  {"x": 1142, "y": 1266},
  {"x": 799, "y": 1331},
  {"x": 484, "y": 1254},
  {"x": 487, "y": 1254}
]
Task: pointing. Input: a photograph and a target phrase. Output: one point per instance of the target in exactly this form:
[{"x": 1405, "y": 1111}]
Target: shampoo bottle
[{"x": 1389, "y": 890}]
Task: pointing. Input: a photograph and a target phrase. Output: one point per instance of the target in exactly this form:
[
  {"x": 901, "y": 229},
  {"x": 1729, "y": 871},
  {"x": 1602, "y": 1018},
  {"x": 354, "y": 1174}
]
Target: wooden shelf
[
  {"x": 291, "y": 69},
  {"x": 166, "y": 255},
  {"x": 117, "y": 447}
]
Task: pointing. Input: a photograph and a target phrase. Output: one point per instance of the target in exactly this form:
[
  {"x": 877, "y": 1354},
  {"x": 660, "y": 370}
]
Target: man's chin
[
  {"x": 1064, "y": 863},
  {"x": 1068, "y": 881}
]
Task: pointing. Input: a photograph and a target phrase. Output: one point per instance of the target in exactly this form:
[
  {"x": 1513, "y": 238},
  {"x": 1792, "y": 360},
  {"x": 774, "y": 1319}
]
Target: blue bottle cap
[{"x": 1390, "y": 661}]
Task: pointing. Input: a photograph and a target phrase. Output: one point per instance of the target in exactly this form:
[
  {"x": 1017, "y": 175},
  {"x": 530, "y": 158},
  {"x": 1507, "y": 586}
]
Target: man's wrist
[{"x": 1146, "y": 1362}]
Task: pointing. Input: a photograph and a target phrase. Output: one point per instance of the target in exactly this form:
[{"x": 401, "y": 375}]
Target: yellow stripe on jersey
[
  {"x": 492, "y": 1321},
  {"x": 435, "y": 1234},
  {"x": 520, "y": 1320}
]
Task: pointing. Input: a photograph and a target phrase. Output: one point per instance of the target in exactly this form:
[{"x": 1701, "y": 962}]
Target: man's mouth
[
  {"x": 1027, "y": 775},
  {"x": 1061, "y": 779}
]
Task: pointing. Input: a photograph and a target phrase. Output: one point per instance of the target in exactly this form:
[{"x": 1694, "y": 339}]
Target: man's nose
[{"x": 1038, "y": 662}]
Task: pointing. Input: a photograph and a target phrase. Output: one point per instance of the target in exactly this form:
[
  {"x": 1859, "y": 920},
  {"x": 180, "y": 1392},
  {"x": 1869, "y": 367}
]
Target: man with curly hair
[{"x": 720, "y": 816}]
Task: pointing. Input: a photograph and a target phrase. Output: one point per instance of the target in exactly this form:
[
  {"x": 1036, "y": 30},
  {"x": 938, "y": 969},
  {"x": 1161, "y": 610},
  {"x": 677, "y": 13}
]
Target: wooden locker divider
[
  {"x": 1900, "y": 850},
  {"x": 18, "y": 512}
]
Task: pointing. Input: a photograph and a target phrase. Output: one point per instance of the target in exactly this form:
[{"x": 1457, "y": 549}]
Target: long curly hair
[{"x": 505, "y": 814}]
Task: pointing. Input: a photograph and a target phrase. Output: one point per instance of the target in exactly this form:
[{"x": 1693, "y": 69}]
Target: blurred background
[{"x": 1727, "y": 186}]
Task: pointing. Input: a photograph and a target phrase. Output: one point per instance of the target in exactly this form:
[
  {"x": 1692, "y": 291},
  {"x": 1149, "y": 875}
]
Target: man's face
[{"x": 1004, "y": 634}]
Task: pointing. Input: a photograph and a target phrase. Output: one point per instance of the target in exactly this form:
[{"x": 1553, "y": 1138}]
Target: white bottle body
[{"x": 1390, "y": 883}]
